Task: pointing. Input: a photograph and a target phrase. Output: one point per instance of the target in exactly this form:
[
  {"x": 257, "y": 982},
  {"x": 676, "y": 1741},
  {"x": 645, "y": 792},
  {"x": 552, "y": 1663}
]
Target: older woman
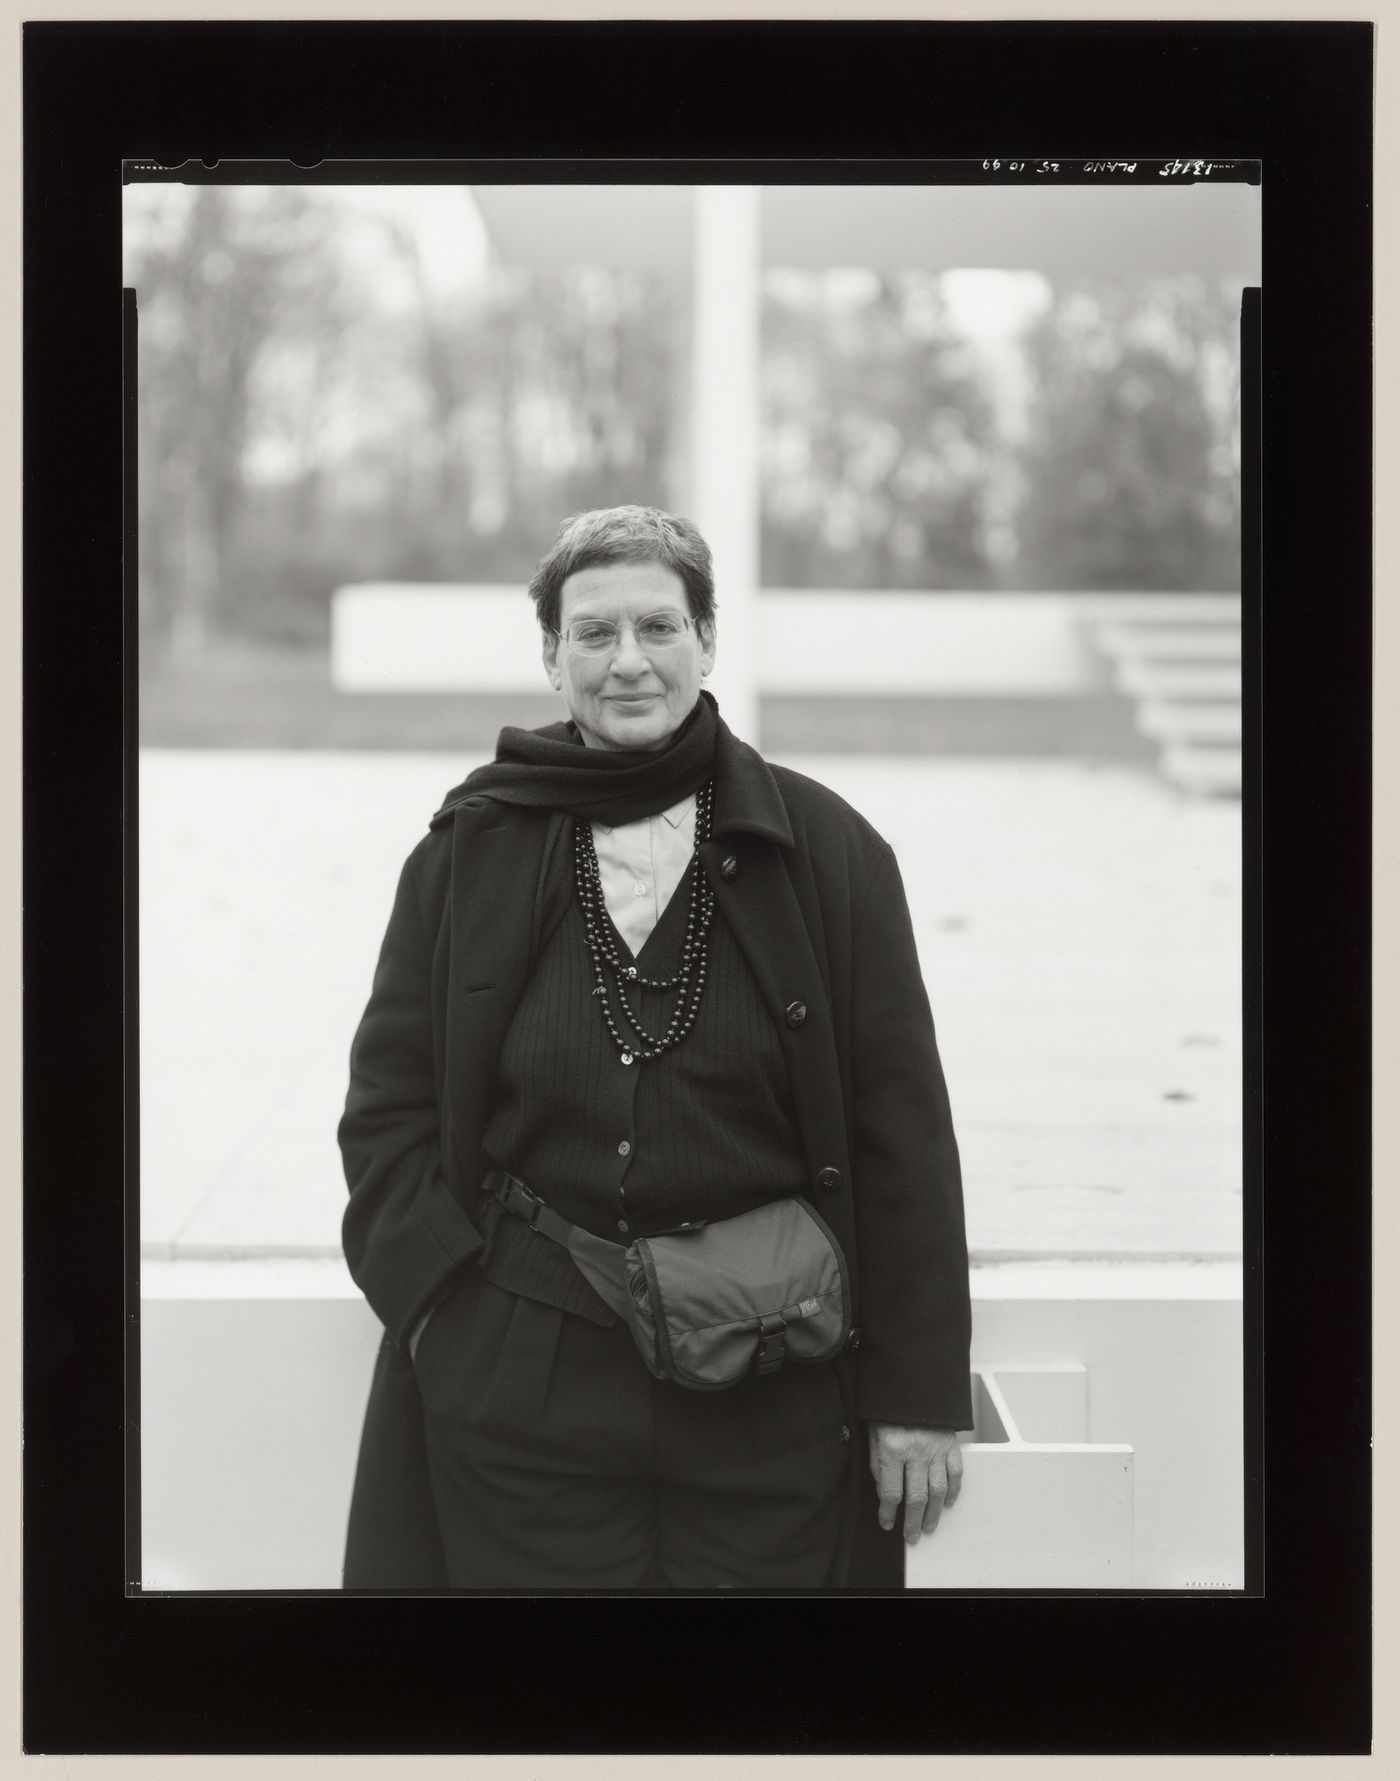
[{"x": 637, "y": 980}]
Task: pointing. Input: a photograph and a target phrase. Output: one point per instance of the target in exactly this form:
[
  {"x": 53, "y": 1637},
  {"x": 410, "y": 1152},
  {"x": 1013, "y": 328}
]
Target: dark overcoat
[{"x": 814, "y": 898}]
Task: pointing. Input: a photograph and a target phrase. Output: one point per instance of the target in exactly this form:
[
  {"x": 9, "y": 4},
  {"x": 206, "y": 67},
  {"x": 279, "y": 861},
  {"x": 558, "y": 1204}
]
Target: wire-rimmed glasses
[{"x": 655, "y": 633}]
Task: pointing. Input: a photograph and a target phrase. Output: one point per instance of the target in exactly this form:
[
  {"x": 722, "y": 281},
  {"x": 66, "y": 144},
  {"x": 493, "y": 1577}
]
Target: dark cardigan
[
  {"x": 705, "y": 1131},
  {"x": 814, "y": 898}
]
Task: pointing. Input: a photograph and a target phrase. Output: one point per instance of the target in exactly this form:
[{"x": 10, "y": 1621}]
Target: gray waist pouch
[{"x": 709, "y": 1304}]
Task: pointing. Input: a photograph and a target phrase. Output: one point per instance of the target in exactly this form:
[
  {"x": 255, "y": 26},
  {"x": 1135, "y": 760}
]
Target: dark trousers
[{"x": 557, "y": 1461}]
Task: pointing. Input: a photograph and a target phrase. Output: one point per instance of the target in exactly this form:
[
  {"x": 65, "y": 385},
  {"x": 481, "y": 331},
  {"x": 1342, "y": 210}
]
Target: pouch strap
[
  {"x": 599, "y": 1261},
  {"x": 772, "y": 1343},
  {"x": 528, "y": 1207}
]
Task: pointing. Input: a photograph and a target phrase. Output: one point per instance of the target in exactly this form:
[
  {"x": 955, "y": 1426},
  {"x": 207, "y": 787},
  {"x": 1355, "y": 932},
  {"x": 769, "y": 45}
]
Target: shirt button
[
  {"x": 796, "y": 1013},
  {"x": 624, "y": 1149},
  {"x": 729, "y": 866},
  {"x": 623, "y": 1226},
  {"x": 639, "y": 890}
]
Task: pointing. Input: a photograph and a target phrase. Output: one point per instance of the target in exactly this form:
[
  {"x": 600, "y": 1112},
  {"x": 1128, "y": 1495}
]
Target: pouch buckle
[
  {"x": 772, "y": 1345},
  {"x": 518, "y": 1200}
]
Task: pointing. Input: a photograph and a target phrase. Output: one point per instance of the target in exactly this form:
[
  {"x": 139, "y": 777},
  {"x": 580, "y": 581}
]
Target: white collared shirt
[{"x": 640, "y": 864}]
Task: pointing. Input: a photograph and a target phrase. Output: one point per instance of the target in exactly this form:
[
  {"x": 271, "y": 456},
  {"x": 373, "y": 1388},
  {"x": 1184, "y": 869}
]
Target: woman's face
[{"x": 626, "y": 698}]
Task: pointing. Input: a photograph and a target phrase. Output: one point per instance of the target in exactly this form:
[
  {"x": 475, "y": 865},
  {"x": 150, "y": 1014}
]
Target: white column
[{"x": 725, "y": 433}]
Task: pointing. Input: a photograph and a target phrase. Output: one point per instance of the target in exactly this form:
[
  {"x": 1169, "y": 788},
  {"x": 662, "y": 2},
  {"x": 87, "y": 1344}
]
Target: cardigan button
[
  {"x": 829, "y": 1180},
  {"x": 853, "y": 1342},
  {"x": 729, "y": 867},
  {"x": 796, "y": 1013}
]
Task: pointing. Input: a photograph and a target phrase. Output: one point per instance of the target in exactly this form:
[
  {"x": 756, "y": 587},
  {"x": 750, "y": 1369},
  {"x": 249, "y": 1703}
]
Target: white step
[
  {"x": 1113, "y": 609},
  {"x": 1166, "y": 722},
  {"x": 1217, "y": 771},
  {"x": 1177, "y": 680},
  {"x": 1053, "y": 1509},
  {"x": 1179, "y": 643}
]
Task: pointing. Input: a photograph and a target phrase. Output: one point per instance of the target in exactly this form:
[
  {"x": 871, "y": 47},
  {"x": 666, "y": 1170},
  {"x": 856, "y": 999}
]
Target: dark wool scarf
[{"x": 554, "y": 769}]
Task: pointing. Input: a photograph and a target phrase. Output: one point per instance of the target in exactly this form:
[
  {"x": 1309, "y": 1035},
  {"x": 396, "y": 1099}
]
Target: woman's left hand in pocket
[{"x": 415, "y": 1335}]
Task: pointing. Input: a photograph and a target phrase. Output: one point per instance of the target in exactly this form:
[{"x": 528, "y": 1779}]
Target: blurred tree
[
  {"x": 214, "y": 290},
  {"x": 1131, "y": 466},
  {"x": 584, "y": 380},
  {"x": 315, "y": 411},
  {"x": 444, "y": 376},
  {"x": 539, "y": 396},
  {"x": 880, "y": 446}
]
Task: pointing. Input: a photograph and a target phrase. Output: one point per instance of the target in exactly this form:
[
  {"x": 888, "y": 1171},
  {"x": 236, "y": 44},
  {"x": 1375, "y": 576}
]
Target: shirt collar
[{"x": 676, "y": 816}]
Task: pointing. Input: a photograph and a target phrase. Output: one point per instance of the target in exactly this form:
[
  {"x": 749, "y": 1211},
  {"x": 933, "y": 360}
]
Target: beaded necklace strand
[{"x": 689, "y": 980}]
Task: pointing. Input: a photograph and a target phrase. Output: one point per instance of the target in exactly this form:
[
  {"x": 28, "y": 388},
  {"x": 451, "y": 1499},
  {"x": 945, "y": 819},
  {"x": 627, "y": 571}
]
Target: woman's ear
[
  {"x": 706, "y": 628},
  {"x": 550, "y": 655}
]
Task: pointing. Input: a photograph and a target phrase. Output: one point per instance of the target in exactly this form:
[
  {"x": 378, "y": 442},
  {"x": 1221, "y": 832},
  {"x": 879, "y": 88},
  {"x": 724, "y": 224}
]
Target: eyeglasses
[{"x": 655, "y": 634}]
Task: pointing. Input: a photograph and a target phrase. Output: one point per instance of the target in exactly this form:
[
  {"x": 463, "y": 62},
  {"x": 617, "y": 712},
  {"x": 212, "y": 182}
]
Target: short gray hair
[{"x": 625, "y": 535}]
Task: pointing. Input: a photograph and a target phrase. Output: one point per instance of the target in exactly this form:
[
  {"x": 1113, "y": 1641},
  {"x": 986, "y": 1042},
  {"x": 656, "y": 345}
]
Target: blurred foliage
[
  {"x": 298, "y": 430},
  {"x": 880, "y": 442},
  {"x": 219, "y": 281},
  {"x": 1131, "y": 469},
  {"x": 295, "y": 436}
]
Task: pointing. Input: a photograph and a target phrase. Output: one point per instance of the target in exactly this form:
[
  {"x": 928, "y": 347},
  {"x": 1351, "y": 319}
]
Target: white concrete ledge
[
  {"x": 256, "y": 1277},
  {"x": 402, "y": 637},
  {"x": 260, "y": 1276},
  {"x": 1107, "y": 1451},
  {"x": 1053, "y": 1279}
]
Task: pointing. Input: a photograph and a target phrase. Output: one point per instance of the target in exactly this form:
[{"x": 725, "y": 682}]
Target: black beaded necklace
[{"x": 689, "y": 980}]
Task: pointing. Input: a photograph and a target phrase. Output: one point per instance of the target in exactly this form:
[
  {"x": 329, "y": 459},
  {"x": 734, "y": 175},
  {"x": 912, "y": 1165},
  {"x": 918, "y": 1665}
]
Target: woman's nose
[{"x": 628, "y": 657}]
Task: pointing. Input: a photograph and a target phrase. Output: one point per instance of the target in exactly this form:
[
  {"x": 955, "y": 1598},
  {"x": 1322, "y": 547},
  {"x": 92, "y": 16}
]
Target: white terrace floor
[{"x": 1078, "y": 927}]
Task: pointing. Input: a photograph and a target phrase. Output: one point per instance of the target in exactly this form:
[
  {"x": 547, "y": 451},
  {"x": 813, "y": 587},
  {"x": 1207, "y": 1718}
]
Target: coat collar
[{"x": 747, "y": 798}]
